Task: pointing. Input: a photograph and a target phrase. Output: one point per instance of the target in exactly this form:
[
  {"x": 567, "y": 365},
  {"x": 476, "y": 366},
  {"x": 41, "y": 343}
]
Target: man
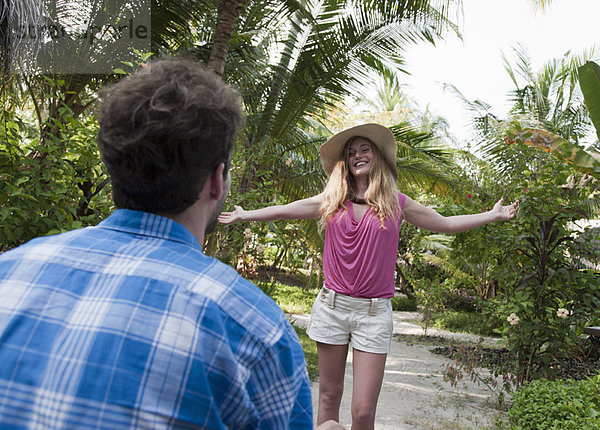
[{"x": 128, "y": 324}]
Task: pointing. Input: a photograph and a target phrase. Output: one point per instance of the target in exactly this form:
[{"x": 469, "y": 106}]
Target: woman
[{"x": 361, "y": 210}]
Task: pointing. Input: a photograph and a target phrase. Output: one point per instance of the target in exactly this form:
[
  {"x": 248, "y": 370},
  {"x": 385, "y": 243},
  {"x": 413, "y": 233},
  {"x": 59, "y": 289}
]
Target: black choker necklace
[{"x": 359, "y": 201}]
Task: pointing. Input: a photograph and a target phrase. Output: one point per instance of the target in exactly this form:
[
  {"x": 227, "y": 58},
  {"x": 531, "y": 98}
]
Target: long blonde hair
[{"x": 381, "y": 194}]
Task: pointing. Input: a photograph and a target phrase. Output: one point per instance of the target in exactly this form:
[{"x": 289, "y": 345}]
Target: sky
[{"x": 474, "y": 64}]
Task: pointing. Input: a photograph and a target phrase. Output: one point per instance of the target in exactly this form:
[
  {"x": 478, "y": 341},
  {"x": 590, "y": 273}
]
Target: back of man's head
[{"x": 163, "y": 130}]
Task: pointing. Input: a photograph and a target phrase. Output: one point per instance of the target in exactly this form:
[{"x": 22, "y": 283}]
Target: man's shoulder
[
  {"x": 240, "y": 287},
  {"x": 242, "y": 300}
]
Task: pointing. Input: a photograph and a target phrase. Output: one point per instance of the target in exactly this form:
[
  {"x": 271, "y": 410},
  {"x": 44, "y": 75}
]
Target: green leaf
[{"x": 589, "y": 80}]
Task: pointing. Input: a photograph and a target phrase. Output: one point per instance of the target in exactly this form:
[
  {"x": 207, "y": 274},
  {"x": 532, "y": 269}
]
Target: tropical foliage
[
  {"x": 297, "y": 64},
  {"x": 589, "y": 77},
  {"x": 52, "y": 184},
  {"x": 566, "y": 405},
  {"x": 540, "y": 268},
  {"x": 325, "y": 51}
]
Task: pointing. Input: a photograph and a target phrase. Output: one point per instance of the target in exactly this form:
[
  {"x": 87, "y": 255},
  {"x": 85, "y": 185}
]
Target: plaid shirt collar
[{"x": 149, "y": 224}]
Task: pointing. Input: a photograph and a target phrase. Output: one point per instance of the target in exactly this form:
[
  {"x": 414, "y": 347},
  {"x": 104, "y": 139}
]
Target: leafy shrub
[
  {"x": 467, "y": 322},
  {"x": 52, "y": 176},
  {"x": 548, "y": 295},
  {"x": 563, "y": 404},
  {"x": 550, "y": 300},
  {"x": 403, "y": 303}
]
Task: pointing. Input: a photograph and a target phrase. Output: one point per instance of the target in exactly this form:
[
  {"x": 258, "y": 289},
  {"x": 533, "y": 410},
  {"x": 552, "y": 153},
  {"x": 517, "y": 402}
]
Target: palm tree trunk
[
  {"x": 228, "y": 11},
  {"x": 310, "y": 272}
]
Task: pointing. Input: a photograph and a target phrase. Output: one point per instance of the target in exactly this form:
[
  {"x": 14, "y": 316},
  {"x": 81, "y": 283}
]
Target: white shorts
[{"x": 338, "y": 319}]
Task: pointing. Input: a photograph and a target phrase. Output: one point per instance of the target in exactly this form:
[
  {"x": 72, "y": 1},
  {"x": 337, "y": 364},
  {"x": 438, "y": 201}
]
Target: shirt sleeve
[
  {"x": 280, "y": 385},
  {"x": 401, "y": 200},
  {"x": 302, "y": 417}
]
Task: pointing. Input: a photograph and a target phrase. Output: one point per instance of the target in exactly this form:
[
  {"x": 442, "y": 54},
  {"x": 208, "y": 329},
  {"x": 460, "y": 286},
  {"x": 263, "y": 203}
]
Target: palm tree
[
  {"x": 548, "y": 113},
  {"x": 550, "y": 97},
  {"x": 389, "y": 95},
  {"x": 326, "y": 55},
  {"x": 228, "y": 11},
  {"x": 325, "y": 51}
]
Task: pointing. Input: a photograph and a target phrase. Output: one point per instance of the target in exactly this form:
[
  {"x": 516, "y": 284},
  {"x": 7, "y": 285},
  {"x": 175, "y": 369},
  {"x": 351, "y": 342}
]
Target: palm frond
[
  {"x": 592, "y": 205},
  {"x": 416, "y": 172},
  {"x": 447, "y": 266},
  {"x": 337, "y": 50},
  {"x": 436, "y": 242}
]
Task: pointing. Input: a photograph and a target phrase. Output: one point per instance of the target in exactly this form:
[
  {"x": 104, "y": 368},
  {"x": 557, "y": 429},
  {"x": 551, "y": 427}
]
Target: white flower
[
  {"x": 562, "y": 313},
  {"x": 248, "y": 233},
  {"x": 260, "y": 249},
  {"x": 513, "y": 319},
  {"x": 570, "y": 183},
  {"x": 584, "y": 180}
]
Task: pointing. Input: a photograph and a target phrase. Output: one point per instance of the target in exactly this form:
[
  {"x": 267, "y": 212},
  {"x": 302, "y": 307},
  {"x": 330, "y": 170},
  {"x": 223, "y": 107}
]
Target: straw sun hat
[{"x": 332, "y": 150}]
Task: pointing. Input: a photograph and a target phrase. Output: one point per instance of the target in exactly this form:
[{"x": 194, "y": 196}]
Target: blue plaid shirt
[{"x": 128, "y": 324}]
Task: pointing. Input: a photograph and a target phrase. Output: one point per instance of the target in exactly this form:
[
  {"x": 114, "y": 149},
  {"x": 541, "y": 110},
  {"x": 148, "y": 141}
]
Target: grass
[
  {"x": 310, "y": 353},
  {"x": 291, "y": 299},
  {"x": 403, "y": 303}
]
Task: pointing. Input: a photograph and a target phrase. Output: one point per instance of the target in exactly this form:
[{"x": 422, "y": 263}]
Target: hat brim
[{"x": 332, "y": 150}]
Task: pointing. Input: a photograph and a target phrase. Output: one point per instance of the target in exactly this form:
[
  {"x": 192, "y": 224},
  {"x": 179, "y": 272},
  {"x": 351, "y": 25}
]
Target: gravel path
[{"x": 414, "y": 394}]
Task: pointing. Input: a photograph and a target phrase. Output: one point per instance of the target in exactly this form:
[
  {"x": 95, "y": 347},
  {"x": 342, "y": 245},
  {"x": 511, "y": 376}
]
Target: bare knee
[{"x": 363, "y": 416}]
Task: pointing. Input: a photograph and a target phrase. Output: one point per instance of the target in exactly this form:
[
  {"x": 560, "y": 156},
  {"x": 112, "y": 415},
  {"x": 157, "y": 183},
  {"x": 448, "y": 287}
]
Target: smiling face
[{"x": 360, "y": 157}]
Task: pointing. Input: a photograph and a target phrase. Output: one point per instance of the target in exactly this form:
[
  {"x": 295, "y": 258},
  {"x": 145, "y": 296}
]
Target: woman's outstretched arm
[
  {"x": 300, "y": 209},
  {"x": 428, "y": 219}
]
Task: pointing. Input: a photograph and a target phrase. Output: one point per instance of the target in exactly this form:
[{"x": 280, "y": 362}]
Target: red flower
[{"x": 469, "y": 196}]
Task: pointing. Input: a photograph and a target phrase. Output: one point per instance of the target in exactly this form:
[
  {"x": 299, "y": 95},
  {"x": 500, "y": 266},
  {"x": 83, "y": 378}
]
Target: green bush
[
  {"x": 402, "y": 303},
  {"x": 560, "y": 405},
  {"x": 466, "y": 322},
  {"x": 51, "y": 176}
]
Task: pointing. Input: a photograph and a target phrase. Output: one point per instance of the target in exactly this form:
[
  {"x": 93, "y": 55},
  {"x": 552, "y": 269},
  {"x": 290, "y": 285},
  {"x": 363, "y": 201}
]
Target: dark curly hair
[{"x": 163, "y": 130}]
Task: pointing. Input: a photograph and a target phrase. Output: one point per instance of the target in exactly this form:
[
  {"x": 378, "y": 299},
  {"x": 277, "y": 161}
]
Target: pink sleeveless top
[{"x": 359, "y": 257}]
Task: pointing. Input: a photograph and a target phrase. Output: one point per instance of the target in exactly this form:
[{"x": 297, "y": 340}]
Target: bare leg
[
  {"x": 332, "y": 367},
  {"x": 368, "y": 371}
]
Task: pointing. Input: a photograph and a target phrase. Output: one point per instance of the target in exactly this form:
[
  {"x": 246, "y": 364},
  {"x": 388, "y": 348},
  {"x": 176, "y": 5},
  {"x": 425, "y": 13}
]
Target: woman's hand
[
  {"x": 502, "y": 213},
  {"x": 231, "y": 217},
  {"x": 299, "y": 209},
  {"x": 428, "y": 219}
]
